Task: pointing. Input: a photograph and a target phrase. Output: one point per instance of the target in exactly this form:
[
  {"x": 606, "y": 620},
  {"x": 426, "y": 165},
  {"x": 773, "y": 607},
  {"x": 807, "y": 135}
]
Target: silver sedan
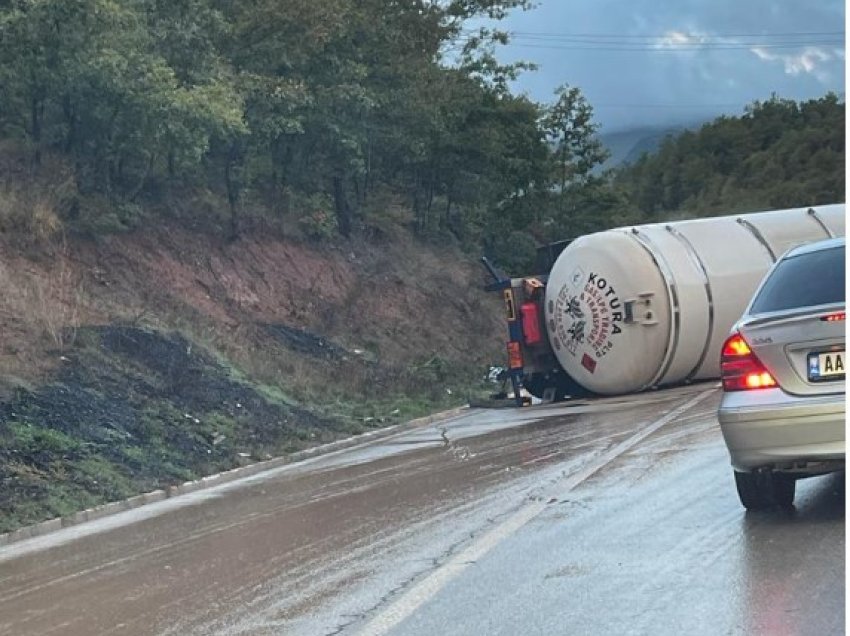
[{"x": 783, "y": 407}]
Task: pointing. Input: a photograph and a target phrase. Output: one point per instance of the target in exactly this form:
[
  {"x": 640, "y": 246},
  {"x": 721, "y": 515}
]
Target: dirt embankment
[{"x": 145, "y": 359}]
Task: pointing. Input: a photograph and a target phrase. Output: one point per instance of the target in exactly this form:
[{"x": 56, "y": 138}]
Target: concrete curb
[{"x": 105, "y": 510}]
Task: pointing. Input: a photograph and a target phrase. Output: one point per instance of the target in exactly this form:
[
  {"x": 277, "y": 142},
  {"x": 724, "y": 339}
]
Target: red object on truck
[{"x": 530, "y": 323}]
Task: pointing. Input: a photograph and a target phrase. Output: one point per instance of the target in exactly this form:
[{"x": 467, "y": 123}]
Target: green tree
[
  {"x": 87, "y": 77},
  {"x": 576, "y": 152},
  {"x": 779, "y": 153},
  {"x": 277, "y": 102},
  {"x": 569, "y": 125}
]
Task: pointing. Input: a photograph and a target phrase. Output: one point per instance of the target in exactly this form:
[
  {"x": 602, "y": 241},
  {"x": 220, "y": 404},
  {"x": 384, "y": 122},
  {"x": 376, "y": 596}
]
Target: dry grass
[
  {"x": 30, "y": 217},
  {"x": 58, "y": 300},
  {"x": 23, "y": 347},
  {"x": 33, "y": 199},
  {"x": 43, "y": 300},
  {"x": 42, "y": 295}
]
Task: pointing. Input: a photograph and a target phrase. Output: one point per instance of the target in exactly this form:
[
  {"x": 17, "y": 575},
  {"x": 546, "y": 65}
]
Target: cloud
[
  {"x": 675, "y": 39},
  {"x": 648, "y": 62},
  {"x": 808, "y": 61}
]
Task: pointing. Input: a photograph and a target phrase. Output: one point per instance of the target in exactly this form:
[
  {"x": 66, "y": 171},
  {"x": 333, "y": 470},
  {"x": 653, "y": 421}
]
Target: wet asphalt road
[{"x": 613, "y": 516}]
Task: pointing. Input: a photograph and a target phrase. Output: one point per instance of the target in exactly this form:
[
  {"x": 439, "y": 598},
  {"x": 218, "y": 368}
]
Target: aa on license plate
[{"x": 826, "y": 366}]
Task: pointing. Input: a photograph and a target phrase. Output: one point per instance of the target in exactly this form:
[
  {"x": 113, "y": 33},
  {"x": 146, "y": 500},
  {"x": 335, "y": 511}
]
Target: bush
[
  {"x": 100, "y": 215},
  {"x": 317, "y": 219}
]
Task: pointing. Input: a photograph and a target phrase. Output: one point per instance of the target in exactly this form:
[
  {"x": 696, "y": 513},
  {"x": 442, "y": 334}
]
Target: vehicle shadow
[
  {"x": 793, "y": 564},
  {"x": 819, "y": 499}
]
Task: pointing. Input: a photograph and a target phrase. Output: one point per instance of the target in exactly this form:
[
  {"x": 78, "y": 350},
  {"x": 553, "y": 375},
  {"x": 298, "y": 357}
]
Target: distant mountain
[{"x": 626, "y": 146}]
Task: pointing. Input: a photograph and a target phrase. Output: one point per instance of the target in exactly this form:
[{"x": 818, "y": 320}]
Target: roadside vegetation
[
  {"x": 229, "y": 230},
  {"x": 778, "y": 154},
  {"x": 320, "y": 117}
]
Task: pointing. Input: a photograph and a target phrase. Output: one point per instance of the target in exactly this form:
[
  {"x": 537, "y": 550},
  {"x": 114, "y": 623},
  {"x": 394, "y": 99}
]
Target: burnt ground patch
[
  {"x": 132, "y": 410},
  {"x": 305, "y": 342}
]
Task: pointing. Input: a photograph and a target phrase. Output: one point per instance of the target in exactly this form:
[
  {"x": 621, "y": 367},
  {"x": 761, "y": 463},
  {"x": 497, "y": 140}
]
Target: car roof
[{"x": 817, "y": 246}]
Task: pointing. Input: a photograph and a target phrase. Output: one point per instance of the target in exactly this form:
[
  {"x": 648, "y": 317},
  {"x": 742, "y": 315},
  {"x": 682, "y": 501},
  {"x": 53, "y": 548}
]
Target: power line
[
  {"x": 669, "y": 42},
  {"x": 794, "y": 34},
  {"x": 674, "y": 38},
  {"x": 667, "y": 106},
  {"x": 672, "y": 48},
  {"x": 680, "y": 41},
  {"x": 662, "y": 46},
  {"x": 567, "y": 34}
]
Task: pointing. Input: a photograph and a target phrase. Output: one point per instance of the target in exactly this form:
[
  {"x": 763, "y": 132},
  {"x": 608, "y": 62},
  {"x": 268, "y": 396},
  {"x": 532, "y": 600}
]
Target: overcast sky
[{"x": 656, "y": 62}]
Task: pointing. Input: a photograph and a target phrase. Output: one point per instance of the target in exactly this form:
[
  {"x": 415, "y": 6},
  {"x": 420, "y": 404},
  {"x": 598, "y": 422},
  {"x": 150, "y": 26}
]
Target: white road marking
[{"x": 428, "y": 587}]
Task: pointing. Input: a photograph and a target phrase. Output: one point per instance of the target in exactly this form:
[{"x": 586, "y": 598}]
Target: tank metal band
[
  {"x": 667, "y": 273},
  {"x": 814, "y": 214},
  {"x": 697, "y": 261},
  {"x": 759, "y": 236}
]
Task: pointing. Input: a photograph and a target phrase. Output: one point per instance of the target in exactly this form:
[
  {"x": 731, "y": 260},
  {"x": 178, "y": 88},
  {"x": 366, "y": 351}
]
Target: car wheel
[
  {"x": 760, "y": 490},
  {"x": 784, "y": 486}
]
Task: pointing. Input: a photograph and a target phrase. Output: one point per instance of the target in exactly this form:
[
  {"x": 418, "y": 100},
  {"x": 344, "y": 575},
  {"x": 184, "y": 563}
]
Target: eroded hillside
[{"x": 144, "y": 359}]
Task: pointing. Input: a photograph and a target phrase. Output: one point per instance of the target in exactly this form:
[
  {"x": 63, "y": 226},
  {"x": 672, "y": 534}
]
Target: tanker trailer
[{"x": 634, "y": 308}]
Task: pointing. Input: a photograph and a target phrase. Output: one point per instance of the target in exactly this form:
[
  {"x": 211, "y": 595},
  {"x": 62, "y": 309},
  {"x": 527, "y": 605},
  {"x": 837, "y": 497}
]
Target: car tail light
[
  {"x": 740, "y": 369},
  {"x": 836, "y": 317}
]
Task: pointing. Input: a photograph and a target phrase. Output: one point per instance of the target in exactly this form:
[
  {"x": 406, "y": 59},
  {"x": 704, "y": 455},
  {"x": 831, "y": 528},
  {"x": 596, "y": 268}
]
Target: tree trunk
[
  {"x": 417, "y": 206},
  {"x": 367, "y": 178},
  {"x": 281, "y": 156},
  {"x": 455, "y": 228},
  {"x": 358, "y": 191},
  {"x": 105, "y": 163},
  {"x": 233, "y": 182},
  {"x": 71, "y": 121},
  {"x": 343, "y": 210},
  {"x": 141, "y": 184},
  {"x": 36, "y": 112}
]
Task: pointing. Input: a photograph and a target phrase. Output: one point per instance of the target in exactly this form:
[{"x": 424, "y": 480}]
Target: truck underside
[{"x": 532, "y": 363}]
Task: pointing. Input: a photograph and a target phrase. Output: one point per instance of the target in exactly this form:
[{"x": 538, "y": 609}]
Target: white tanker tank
[{"x": 637, "y": 307}]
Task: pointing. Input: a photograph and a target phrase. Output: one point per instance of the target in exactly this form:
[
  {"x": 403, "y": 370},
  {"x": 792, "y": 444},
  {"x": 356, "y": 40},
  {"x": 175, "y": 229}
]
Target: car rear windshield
[{"x": 805, "y": 280}]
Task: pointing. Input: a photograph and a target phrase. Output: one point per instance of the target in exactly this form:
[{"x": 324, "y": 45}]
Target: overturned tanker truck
[{"x": 634, "y": 308}]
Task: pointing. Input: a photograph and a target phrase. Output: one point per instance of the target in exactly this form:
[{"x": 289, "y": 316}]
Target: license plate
[{"x": 826, "y": 366}]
